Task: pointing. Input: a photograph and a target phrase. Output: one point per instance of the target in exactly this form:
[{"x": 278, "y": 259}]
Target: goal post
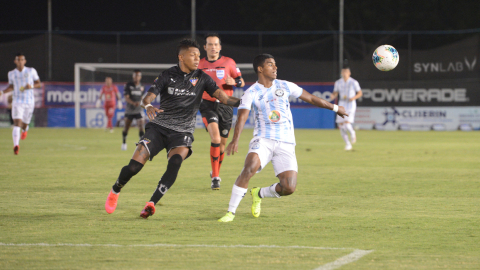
[{"x": 93, "y": 74}]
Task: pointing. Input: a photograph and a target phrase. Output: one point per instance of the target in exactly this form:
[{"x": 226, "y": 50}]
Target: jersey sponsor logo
[
  {"x": 194, "y": 81},
  {"x": 213, "y": 118},
  {"x": 220, "y": 74},
  {"x": 274, "y": 116},
  {"x": 136, "y": 93},
  {"x": 279, "y": 92}
]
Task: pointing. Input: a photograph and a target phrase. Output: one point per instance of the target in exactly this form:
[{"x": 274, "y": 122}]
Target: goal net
[{"x": 90, "y": 77}]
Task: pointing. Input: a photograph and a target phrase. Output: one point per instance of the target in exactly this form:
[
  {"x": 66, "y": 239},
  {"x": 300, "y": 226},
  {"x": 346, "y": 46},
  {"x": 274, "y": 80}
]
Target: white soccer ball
[{"x": 385, "y": 58}]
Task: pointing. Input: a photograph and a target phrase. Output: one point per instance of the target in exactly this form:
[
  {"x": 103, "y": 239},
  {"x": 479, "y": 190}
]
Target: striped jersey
[
  {"x": 19, "y": 79},
  {"x": 271, "y": 109},
  {"x": 346, "y": 90}
]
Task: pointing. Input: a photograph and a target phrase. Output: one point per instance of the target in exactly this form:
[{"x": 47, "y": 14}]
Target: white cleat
[
  {"x": 124, "y": 147},
  {"x": 348, "y": 147}
]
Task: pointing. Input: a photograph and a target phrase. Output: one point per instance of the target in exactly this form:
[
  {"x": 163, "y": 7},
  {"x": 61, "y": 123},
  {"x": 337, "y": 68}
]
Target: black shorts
[
  {"x": 218, "y": 113},
  {"x": 157, "y": 138},
  {"x": 134, "y": 116}
]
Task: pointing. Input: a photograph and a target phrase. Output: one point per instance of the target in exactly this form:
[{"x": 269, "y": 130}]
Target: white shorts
[
  {"x": 23, "y": 112},
  {"x": 350, "y": 118},
  {"x": 281, "y": 154}
]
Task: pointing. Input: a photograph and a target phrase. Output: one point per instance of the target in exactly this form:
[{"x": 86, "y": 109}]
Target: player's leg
[
  {"x": 128, "y": 122},
  {"x": 225, "y": 124},
  {"x": 215, "y": 141},
  {"x": 146, "y": 149},
  {"x": 180, "y": 149},
  {"x": 223, "y": 143},
  {"x": 343, "y": 133},
  {"x": 17, "y": 115},
  {"x": 349, "y": 127},
  {"x": 27, "y": 117},
  {"x": 109, "y": 112}
]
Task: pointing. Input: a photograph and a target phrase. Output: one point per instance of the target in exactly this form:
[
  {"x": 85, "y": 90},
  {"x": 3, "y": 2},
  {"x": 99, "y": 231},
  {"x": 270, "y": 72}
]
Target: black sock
[
  {"x": 168, "y": 178},
  {"x": 124, "y": 134},
  {"x": 141, "y": 133},
  {"x": 126, "y": 174}
]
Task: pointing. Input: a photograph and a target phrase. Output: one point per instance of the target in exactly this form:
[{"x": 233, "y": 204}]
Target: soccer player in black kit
[
  {"x": 172, "y": 125},
  {"x": 133, "y": 92}
]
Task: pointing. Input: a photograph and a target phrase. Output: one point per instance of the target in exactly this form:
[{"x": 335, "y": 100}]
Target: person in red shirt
[
  {"x": 110, "y": 91},
  {"x": 217, "y": 117}
]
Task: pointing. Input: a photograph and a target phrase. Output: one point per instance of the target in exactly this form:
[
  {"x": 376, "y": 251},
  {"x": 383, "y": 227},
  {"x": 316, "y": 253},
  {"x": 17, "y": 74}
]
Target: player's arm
[
  {"x": 7, "y": 90},
  {"x": 226, "y": 99},
  {"x": 242, "y": 116},
  {"x": 316, "y": 101},
  {"x": 147, "y": 105},
  {"x": 333, "y": 96},
  {"x": 357, "y": 96}
]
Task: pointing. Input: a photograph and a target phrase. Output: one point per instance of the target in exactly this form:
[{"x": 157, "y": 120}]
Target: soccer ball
[{"x": 385, "y": 58}]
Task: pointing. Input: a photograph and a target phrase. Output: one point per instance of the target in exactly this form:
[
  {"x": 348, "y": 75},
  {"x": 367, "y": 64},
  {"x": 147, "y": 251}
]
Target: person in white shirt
[
  {"x": 22, "y": 80},
  {"x": 274, "y": 138},
  {"x": 348, "y": 90}
]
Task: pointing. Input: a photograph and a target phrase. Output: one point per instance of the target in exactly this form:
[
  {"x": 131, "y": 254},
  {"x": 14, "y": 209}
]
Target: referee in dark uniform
[
  {"x": 172, "y": 125},
  {"x": 133, "y": 92}
]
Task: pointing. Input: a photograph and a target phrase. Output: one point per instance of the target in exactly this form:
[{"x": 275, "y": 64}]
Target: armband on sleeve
[{"x": 238, "y": 81}]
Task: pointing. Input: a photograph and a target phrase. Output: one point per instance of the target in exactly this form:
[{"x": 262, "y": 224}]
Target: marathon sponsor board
[
  {"x": 428, "y": 94},
  {"x": 417, "y": 118}
]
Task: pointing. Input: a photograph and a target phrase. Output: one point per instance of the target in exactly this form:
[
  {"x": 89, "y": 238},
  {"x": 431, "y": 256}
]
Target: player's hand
[
  {"x": 152, "y": 112},
  {"x": 229, "y": 80},
  {"x": 351, "y": 99},
  {"x": 232, "y": 148},
  {"x": 341, "y": 112},
  {"x": 98, "y": 103},
  {"x": 28, "y": 86}
]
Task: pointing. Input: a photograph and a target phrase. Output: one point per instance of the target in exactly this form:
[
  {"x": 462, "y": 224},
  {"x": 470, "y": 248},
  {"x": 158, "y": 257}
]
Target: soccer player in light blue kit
[{"x": 274, "y": 138}]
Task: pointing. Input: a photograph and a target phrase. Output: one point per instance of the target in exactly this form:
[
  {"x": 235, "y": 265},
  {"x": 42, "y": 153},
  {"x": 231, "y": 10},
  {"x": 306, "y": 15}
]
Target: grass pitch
[{"x": 412, "y": 197}]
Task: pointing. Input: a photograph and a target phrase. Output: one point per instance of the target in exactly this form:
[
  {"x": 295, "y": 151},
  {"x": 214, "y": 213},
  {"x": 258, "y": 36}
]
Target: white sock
[
  {"x": 26, "y": 129},
  {"x": 343, "y": 132},
  {"x": 350, "y": 129},
  {"x": 16, "y": 135},
  {"x": 269, "y": 192},
  {"x": 237, "y": 195}
]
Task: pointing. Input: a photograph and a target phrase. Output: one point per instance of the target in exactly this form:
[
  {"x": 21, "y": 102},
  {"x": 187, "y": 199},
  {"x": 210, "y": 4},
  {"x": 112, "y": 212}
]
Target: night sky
[{"x": 249, "y": 15}]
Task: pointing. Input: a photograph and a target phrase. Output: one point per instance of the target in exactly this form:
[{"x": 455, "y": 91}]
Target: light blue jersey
[
  {"x": 19, "y": 79},
  {"x": 271, "y": 108}
]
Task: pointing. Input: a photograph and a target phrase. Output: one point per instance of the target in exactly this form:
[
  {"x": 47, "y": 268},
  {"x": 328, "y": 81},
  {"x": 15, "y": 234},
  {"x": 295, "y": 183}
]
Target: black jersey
[
  {"x": 180, "y": 97},
  {"x": 135, "y": 93}
]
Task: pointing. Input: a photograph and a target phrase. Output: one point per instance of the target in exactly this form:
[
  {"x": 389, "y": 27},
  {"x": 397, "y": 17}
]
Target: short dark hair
[
  {"x": 213, "y": 35},
  {"x": 185, "y": 44},
  {"x": 20, "y": 54},
  {"x": 259, "y": 60},
  {"x": 345, "y": 64},
  {"x": 136, "y": 70}
]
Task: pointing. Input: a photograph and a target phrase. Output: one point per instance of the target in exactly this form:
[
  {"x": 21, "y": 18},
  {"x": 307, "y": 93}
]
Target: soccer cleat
[
  {"x": 24, "y": 135},
  {"x": 348, "y": 147},
  {"x": 124, "y": 147},
  {"x": 227, "y": 218},
  {"x": 216, "y": 183},
  {"x": 111, "y": 202},
  {"x": 256, "y": 201},
  {"x": 149, "y": 210},
  {"x": 16, "y": 148}
]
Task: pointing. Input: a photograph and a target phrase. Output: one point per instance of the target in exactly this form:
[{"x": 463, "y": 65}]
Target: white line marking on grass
[{"x": 354, "y": 256}]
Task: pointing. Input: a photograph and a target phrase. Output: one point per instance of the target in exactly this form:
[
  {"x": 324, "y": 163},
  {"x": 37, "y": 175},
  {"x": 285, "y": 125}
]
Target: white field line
[{"x": 354, "y": 256}]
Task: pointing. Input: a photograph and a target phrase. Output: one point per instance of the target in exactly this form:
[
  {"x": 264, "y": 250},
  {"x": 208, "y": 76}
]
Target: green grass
[{"x": 412, "y": 197}]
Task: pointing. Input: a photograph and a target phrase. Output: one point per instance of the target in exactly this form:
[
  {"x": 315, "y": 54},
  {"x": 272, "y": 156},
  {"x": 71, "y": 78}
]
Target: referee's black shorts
[
  {"x": 218, "y": 113},
  {"x": 157, "y": 138}
]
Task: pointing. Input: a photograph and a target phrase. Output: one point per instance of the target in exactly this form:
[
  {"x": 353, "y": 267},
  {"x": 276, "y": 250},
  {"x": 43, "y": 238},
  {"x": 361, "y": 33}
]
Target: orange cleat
[
  {"x": 111, "y": 202},
  {"x": 24, "y": 135},
  {"x": 16, "y": 148},
  {"x": 149, "y": 210}
]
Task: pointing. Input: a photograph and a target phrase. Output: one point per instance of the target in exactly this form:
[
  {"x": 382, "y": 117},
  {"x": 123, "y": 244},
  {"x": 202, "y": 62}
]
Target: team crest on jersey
[
  {"x": 255, "y": 146},
  {"x": 194, "y": 81},
  {"x": 25, "y": 75},
  {"x": 274, "y": 116},
  {"x": 220, "y": 74},
  {"x": 279, "y": 92}
]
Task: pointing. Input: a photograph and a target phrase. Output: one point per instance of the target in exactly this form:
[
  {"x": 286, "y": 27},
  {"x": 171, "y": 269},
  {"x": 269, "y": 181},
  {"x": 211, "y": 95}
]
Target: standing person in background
[
  {"x": 22, "y": 80},
  {"x": 111, "y": 93},
  {"x": 218, "y": 117},
  {"x": 133, "y": 92},
  {"x": 348, "y": 90}
]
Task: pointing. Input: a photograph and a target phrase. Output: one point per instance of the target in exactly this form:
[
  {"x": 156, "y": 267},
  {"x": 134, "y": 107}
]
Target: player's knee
[
  {"x": 249, "y": 171},
  {"x": 287, "y": 189},
  {"x": 175, "y": 161},
  {"x": 216, "y": 140},
  {"x": 134, "y": 167}
]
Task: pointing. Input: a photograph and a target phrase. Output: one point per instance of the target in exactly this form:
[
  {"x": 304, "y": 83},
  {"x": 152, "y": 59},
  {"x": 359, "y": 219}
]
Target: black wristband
[{"x": 238, "y": 81}]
